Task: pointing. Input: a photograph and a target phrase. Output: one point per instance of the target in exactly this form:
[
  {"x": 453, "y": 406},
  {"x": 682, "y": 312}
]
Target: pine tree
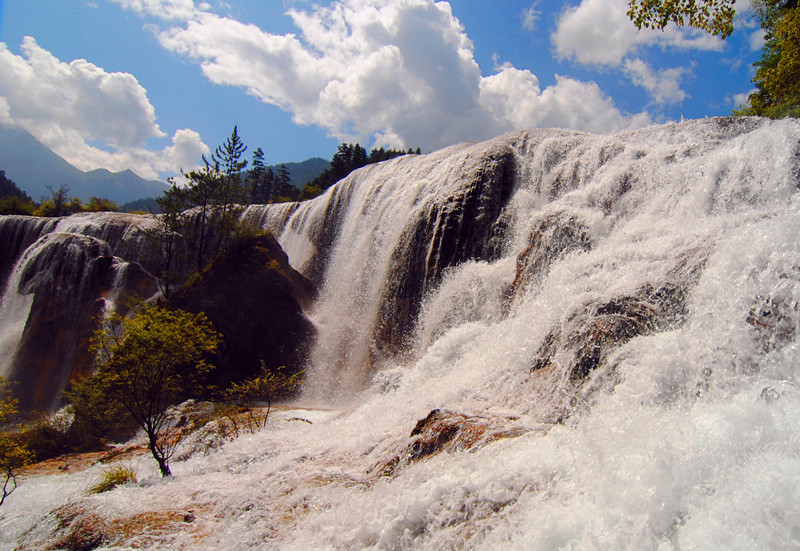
[
  {"x": 255, "y": 178},
  {"x": 284, "y": 190}
]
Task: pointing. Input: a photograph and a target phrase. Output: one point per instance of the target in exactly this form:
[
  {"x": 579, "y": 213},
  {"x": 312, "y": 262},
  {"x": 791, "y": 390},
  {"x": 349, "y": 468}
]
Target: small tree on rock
[
  {"x": 149, "y": 362},
  {"x": 13, "y": 453}
]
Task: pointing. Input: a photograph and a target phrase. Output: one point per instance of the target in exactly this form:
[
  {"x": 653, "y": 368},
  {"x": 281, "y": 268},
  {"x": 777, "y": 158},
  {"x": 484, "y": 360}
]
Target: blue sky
[{"x": 150, "y": 85}]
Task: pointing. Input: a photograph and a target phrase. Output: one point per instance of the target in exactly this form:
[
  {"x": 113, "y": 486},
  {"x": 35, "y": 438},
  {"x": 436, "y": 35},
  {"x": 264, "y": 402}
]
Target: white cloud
[
  {"x": 399, "y": 72},
  {"x": 599, "y": 32},
  {"x": 514, "y": 98},
  {"x": 741, "y": 100},
  {"x": 530, "y": 17},
  {"x": 68, "y": 105},
  {"x": 757, "y": 40},
  {"x": 663, "y": 85},
  {"x": 164, "y": 9}
]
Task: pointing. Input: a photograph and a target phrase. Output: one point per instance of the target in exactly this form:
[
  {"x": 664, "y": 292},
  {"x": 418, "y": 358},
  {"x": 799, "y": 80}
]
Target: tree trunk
[{"x": 158, "y": 456}]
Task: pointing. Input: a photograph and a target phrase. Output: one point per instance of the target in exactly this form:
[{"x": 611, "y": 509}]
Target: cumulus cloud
[
  {"x": 664, "y": 86},
  {"x": 514, "y": 98},
  {"x": 397, "y": 72},
  {"x": 68, "y": 105},
  {"x": 739, "y": 101},
  {"x": 599, "y": 32}
]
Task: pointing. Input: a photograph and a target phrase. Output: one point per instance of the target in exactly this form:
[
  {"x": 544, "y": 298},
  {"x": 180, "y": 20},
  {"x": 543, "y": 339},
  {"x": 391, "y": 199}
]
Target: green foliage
[
  {"x": 117, "y": 475},
  {"x": 15, "y": 205},
  {"x": 10, "y": 189},
  {"x": 142, "y": 206},
  {"x": 215, "y": 192},
  {"x": 712, "y": 16},
  {"x": 61, "y": 204},
  {"x": 260, "y": 180},
  {"x": 13, "y": 453},
  {"x": 242, "y": 397},
  {"x": 12, "y": 199},
  {"x": 94, "y": 415},
  {"x": 100, "y": 204},
  {"x": 777, "y": 76},
  {"x": 149, "y": 362}
]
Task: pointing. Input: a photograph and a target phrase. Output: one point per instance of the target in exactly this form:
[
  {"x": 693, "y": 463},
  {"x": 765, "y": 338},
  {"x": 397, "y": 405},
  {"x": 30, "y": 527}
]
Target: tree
[
  {"x": 16, "y": 205},
  {"x": 777, "y": 76},
  {"x": 201, "y": 192},
  {"x": 230, "y": 191},
  {"x": 149, "y": 362},
  {"x": 100, "y": 204},
  {"x": 59, "y": 203},
  {"x": 10, "y": 189},
  {"x": 261, "y": 180},
  {"x": 284, "y": 190},
  {"x": 168, "y": 235},
  {"x": 264, "y": 388},
  {"x": 13, "y": 453},
  {"x": 712, "y": 16}
]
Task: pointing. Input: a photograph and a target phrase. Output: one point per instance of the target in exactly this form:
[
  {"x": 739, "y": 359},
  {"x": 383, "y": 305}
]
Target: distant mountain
[
  {"x": 303, "y": 172},
  {"x": 33, "y": 167}
]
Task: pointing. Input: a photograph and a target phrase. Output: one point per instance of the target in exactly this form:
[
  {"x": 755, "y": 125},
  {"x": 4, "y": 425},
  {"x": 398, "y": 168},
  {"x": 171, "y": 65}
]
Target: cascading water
[
  {"x": 63, "y": 274},
  {"x": 600, "y": 332}
]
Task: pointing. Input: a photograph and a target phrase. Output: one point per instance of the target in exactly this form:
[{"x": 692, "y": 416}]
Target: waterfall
[
  {"x": 410, "y": 249},
  {"x": 550, "y": 340},
  {"x": 64, "y": 274}
]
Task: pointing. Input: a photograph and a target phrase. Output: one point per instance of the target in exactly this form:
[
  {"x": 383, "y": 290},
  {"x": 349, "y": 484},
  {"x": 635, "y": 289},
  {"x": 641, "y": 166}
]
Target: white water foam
[{"x": 683, "y": 438}]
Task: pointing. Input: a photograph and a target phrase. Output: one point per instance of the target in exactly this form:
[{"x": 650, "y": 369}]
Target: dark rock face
[
  {"x": 70, "y": 276},
  {"x": 465, "y": 227},
  {"x": 255, "y": 299}
]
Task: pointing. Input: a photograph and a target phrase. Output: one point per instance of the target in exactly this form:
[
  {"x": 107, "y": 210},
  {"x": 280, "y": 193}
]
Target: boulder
[{"x": 255, "y": 299}]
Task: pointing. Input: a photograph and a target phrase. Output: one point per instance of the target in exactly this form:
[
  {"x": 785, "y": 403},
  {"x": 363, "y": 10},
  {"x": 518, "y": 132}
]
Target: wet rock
[
  {"x": 774, "y": 322},
  {"x": 448, "y": 431},
  {"x": 70, "y": 277},
  {"x": 585, "y": 340},
  {"x": 468, "y": 226},
  {"x": 255, "y": 299}
]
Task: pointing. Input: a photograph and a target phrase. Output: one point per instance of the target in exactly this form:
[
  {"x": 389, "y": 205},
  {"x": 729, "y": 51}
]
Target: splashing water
[{"x": 627, "y": 329}]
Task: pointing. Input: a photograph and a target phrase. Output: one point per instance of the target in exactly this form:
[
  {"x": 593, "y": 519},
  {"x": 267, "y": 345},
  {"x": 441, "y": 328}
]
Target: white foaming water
[{"x": 684, "y": 436}]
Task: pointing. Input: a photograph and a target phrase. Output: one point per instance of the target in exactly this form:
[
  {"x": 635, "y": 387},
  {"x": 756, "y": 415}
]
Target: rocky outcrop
[
  {"x": 449, "y": 431},
  {"x": 584, "y": 343},
  {"x": 70, "y": 277},
  {"x": 255, "y": 299}
]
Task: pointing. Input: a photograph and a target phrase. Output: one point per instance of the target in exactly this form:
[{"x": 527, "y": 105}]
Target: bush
[
  {"x": 47, "y": 435},
  {"x": 13, "y": 453}
]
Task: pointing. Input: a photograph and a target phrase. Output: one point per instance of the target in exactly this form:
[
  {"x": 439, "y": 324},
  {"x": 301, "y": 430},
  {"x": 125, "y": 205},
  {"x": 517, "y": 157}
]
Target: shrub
[{"x": 113, "y": 477}]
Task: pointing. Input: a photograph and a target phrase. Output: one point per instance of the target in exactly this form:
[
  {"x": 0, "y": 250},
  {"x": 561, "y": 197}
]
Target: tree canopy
[
  {"x": 349, "y": 157},
  {"x": 777, "y": 76},
  {"x": 712, "y": 16},
  {"x": 13, "y": 453}
]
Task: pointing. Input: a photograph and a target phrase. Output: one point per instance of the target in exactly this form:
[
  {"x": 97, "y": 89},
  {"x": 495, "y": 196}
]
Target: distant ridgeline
[{"x": 576, "y": 243}]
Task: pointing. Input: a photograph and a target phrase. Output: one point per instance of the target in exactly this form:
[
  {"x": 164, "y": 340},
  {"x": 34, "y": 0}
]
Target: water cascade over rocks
[{"x": 548, "y": 340}]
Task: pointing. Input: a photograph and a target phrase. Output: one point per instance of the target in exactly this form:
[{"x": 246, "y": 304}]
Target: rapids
[{"x": 621, "y": 311}]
